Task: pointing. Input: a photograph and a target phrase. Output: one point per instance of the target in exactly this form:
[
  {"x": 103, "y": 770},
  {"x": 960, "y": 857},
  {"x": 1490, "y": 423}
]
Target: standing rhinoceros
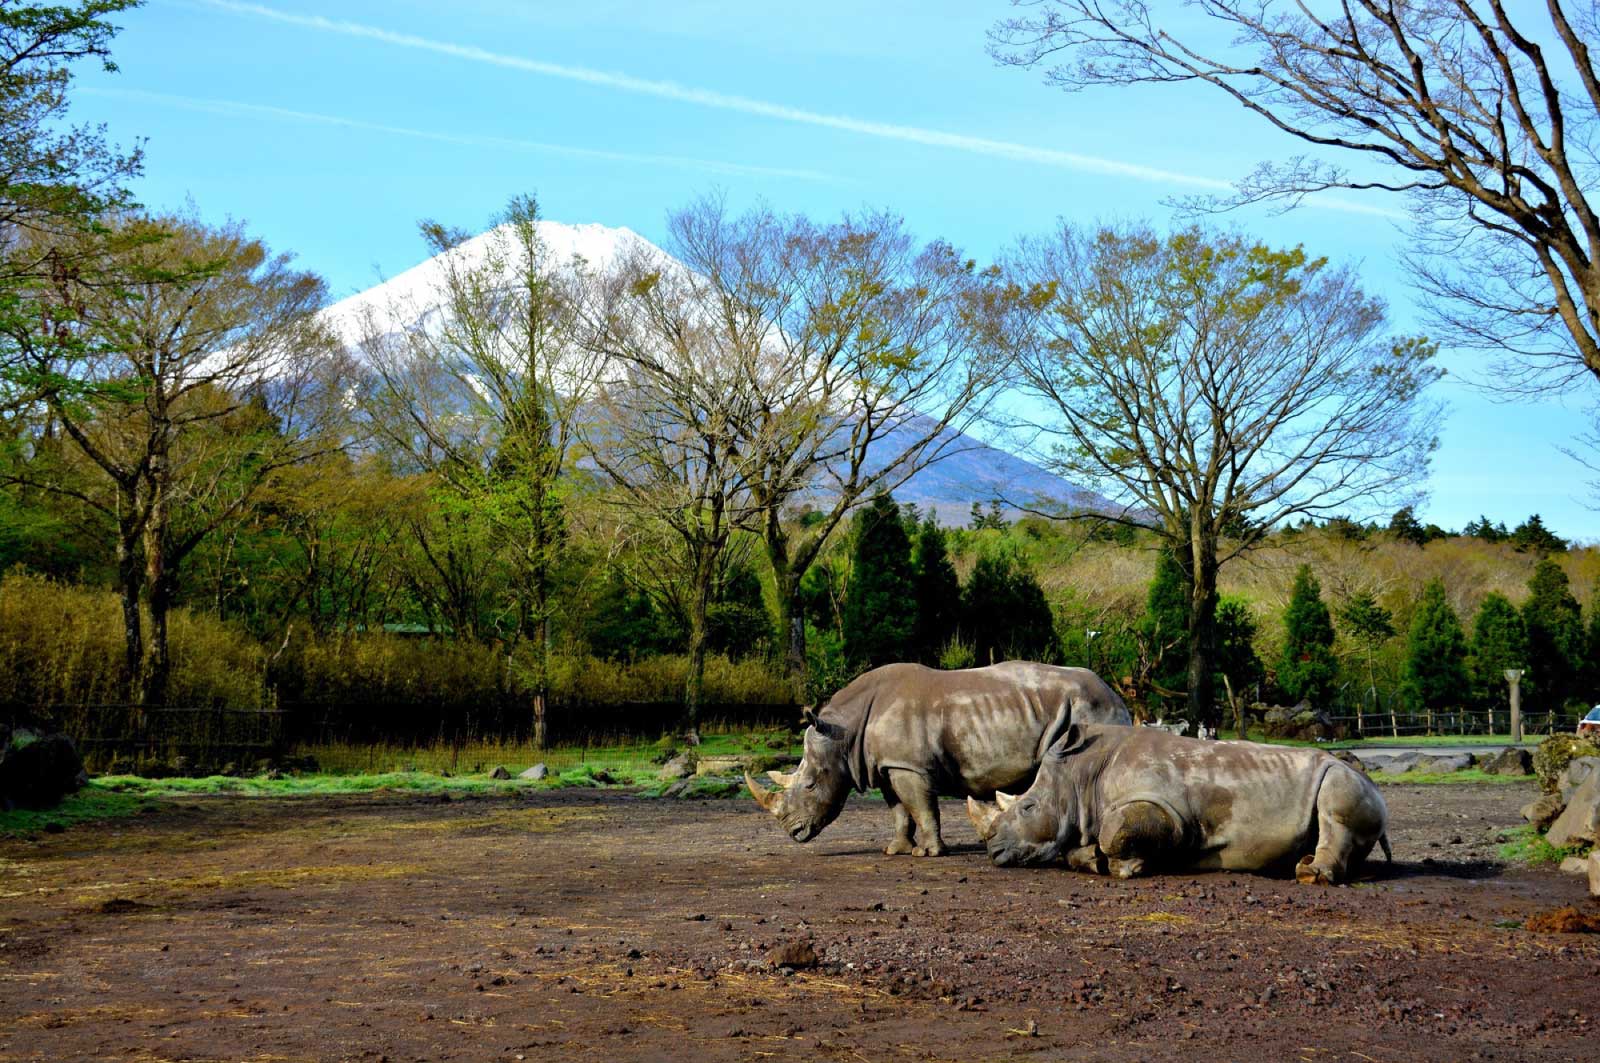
[
  {"x": 920, "y": 732},
  {"x": 1126, "y": 799}
]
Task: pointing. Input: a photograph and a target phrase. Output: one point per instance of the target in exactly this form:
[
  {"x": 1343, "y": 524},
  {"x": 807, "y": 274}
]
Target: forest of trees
[{"x": 669, "y": 478}]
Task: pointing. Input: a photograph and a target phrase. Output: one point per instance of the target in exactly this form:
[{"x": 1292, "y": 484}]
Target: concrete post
[{"x": 1514, "y": 677}]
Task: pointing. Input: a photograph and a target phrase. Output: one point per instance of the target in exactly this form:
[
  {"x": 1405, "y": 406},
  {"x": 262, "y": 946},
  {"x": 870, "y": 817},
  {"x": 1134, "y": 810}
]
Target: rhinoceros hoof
[
  {"x": 900, "y": 847},
  {"x": 1126, "y": 868},
  {"x": 929, "y": 850},
  {"x": 1311, "y": 875}
]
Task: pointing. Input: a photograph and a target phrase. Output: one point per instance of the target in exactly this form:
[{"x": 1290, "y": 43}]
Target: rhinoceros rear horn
[
  {"x": 1004, "y": 800},
  {"x": 784, "y": 780},
  {"x": 764, "y": 797},
  {"x": 983, "y": 816}
]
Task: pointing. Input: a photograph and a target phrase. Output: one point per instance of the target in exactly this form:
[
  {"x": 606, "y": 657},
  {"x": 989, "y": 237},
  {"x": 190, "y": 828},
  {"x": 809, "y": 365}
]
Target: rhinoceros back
[{"x": 972, "y": 731}]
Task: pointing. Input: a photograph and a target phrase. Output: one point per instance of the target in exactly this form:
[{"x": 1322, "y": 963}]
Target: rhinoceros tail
[{"x": 1388, "y": 853}]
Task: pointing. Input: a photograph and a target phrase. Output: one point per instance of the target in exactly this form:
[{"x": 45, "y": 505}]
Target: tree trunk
[
  {"x": 694, "y": 687},
  {"x": 130, "y": 578},
  {"x": 791, "y": 624},
  {"x": 1202, "y": 633},
  {"x": 157, "y": 660}
]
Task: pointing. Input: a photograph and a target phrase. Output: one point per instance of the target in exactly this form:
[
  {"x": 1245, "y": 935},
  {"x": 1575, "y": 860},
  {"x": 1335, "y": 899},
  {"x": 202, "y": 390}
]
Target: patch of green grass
[
  {"x": 1526, "y": 846},
  {"x": 91, "y": 804},
  {"x": 1376, "y": 741},
  {"x": 298, "y": 785},
  {"x": 1429, "y": 778}
]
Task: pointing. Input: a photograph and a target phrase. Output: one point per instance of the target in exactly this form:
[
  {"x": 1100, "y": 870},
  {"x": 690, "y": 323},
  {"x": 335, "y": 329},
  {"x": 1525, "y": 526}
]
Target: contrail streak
[
  {"x": 235, "y": 107},
  {"x": 671, "y": 90}
]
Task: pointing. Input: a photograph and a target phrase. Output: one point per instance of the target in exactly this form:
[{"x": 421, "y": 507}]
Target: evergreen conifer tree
[
  {"x": 1238, "y": 666},
  {"x": 1554, "y": 625},
  {"x": 1589, "y": 672},
  {"x": 1004, "y": 613},
  {"x": 938, "y": 593},
  {"x": 879, "y": 614},
  {"x": 1164, "y": 630},
  {"x": 1308, "y": 669},
  {"x": 1499, "y": 641},
  {"x": 1436, "y": 655}
]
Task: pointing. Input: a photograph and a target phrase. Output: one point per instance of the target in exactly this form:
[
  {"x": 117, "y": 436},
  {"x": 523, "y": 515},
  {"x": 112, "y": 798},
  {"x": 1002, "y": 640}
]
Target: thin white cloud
[
  {"x": 671, "y": 90},
  {"x": 237, "y": 108}
]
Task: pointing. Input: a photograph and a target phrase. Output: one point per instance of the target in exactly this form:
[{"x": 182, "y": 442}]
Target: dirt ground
[{"x": 587, "y": 925}]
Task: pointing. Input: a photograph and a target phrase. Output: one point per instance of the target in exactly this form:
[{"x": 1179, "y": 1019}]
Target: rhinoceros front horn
[
  {"x": 983, "y": 816},
  {"x": 764, "y": 797}
]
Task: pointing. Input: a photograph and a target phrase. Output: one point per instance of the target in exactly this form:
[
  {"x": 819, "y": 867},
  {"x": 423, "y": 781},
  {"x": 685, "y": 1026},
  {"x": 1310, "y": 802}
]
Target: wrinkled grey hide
[
  {"x": 1125, "y": 800},
  {"x": 919, "y": 732}
]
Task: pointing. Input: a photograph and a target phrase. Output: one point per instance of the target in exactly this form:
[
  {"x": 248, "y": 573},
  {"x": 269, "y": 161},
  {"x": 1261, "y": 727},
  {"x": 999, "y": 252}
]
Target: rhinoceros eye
[{"x": 811, "y": 784}]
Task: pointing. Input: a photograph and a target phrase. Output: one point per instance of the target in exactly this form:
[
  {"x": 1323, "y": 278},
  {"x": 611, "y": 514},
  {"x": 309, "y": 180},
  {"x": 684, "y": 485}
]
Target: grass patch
[
  {"x": 1526, "y": 846},
  {"x": 91, "y": 804},
  {"x": 1386, "y": 741},
  {"x": 1432, "y": 778}
]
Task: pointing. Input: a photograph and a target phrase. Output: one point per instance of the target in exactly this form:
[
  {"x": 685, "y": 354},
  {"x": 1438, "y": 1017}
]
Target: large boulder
[
  {"x": 37, "y": 771},
  {"x": 1579, "y": 824},
  {"x": 1444, "y": 764},
  {"x": 1302, "y": 723},
  {"x": 1594, "y": 873},
  {"x": 1543, "y": 810},
  {"x": 1578, "y": 771},
  {"x": 1508, "y": 762},
  {"x": 535, "y": 773},
  {"x": 1391, "y": 763},
  {"x": 679, "y": 767},
  {"x": 1553, "y": 755}
]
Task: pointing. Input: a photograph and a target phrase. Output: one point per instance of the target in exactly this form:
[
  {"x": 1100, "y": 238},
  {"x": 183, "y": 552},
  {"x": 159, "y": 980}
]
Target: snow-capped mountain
[{"x": 970, "y": 472}]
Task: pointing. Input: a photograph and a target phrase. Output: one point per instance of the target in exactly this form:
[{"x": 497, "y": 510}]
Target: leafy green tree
[
  {"x": 1484, "y": 529},
  {"x": 879, "y": 616},
  {"x": 1554, "y": 624},
  {"x": 1370, "y": 625},
  {"x": 1499, "y": 641},
  {"x": 1223, "y": 387},
  {"x": 1307, "y": 670},
  {"x": 1436, "y": 655},
  {"x": 938, "y": 593},
  {"x": 1405, "y": 527},
  {"x": 1238, "y": 665},
  {"x": 1004, "y": 614},
  {"x": 1531, "y": 536},
  {"x": 738, "y": 623},
  {"x": 1590, "y": 673},
  {"x": 1164, "y": 630},
  {"x": 57, "y": 182}
]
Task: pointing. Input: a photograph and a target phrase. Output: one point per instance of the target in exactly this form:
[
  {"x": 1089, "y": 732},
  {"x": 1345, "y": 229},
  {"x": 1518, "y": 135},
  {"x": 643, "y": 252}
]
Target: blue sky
[{"x": 332, "y": 128}]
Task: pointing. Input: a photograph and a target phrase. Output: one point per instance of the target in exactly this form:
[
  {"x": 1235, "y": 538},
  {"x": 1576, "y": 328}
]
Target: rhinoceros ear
[
  {"x": 1075, "y": 740},
  {"x": 821, "y": 726},
  {"x": 1004, "y": 800}
]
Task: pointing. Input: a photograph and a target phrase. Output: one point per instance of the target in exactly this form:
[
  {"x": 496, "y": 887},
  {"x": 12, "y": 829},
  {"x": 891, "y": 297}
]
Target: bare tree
[
  {"x": 865, "y": 356},
  {"x": 191, "y": 382},
  {"x": 1487, "y": 123},
  {"x": 670, "y": 408},
  {"x": 481, "y": 381},
  {"x": 1218, "y": 387}
]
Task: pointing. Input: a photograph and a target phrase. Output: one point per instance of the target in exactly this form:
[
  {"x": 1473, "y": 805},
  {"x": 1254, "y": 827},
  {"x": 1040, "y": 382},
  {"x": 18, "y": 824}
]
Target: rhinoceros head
[
  {"x": 812, "y": 795},
  {"x": 1040, "y": 826}
]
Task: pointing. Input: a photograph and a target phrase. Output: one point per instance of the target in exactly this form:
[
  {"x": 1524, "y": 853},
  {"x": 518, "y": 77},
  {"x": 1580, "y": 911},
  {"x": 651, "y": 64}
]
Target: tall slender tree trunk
[
  {"x": 791, "y": 622},
  {"x": 130, "y": 578},
  {"x": 1202, "y": 631},
  {"x": 694, "y": 687}
]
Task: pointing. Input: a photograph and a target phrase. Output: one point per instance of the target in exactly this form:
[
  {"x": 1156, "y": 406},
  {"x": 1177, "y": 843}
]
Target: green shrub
[{"x": 1555, "y": 753}]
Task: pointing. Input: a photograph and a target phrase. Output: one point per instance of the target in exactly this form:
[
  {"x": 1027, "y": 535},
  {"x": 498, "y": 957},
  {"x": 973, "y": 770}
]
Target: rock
[
  {"x": 1594, "y": 873},
  {"x": 1575, "y": 865},
  {"x": 677, "y": 789},
  {"x": 1302, "y": 722},
  {"x": 1579, "y": 823},
  {"x": 500, "y": 772},
  {"x": 1350, "y": 759},
  {"x": 719, "y": 766},
  {"x": 1508, "y": 762},
  {"x": 799, "y": 955},
  {"x": 1554, "y": 753},
  {"x": 1543, "y": 810},
  {"x": 679, "y": 767},
  {"x": 37, "y": 771},
  {"x": 1392, "y": 763},
  {"x": 1444, "y": 764},
  {"x": 537, "y": 772},
  {"x": 1574, "y": 775}
]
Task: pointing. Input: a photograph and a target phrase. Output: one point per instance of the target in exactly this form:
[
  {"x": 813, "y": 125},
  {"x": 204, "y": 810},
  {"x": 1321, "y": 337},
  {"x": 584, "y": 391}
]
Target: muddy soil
[{"x": 586, "y": 925}]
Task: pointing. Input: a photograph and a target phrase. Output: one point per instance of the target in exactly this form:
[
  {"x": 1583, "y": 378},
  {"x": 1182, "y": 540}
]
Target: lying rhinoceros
[
  {"x": 920, "y": 732},
  {"x": 1127, "y": 799}
]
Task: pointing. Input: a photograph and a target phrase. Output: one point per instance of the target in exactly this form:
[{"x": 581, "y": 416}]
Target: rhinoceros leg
[
  {"x": 917, "y": 795},
  {"x": 1350, "y": 817},
  {"x": 902, "y": 842},
  {"x": 1088, "y": 859},
  {"x": 1135, "y": 835}
]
